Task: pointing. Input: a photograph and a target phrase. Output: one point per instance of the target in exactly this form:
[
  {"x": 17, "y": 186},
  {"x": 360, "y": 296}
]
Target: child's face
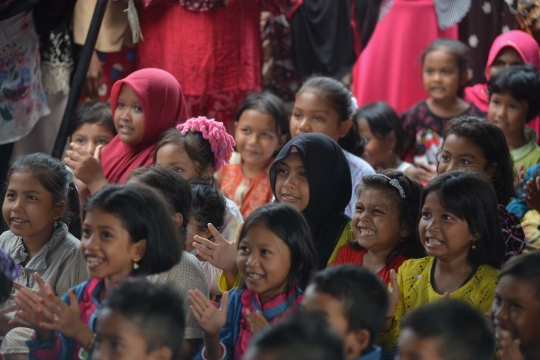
[
  {"x": 376, "y": 223},
  {"x": 443, "y": 235},
  {"x": 256, "y": 138},
  {"x": 263, "y": 261},
  {"x": 128, "y": 117},
  {"x": 28, "y": 207},
  {"x": 314, "y": 113},
  {"x": 107, "y": 246},
  {"x": 376, "y": 150},
  {"x": 291, "y": 182},
  {"x": 516, "y": 308},
  {"x": 90, "y": 136},
  {"x": 508, "y": 56},
  {"x": 509, "y": 114},
  {"x": 460, "y": 153},
  {"x": 441, "y": 76},
  {"x": 117, "y": 338},
  {"x": 413, "y": 347},
  {"x": 175, "y": 157},
  {"x": 353, "y": 343}
]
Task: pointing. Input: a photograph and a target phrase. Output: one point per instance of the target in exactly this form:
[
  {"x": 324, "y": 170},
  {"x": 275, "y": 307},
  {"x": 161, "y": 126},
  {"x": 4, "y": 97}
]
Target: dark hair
[
  {"x": 457, "y": 49},
  {"x": 342, "y": 101},
  {"x": 56, "y": 179},
  {"x": 461, "y": 330},
  {"x": 382, "y": 120},
  {"x": 9, "y": 271},
  {"x": 195, "y": 145},
  {"x": 362, "y": 293},
  {"x": 155, "y": 309},
  {"x": 92, "y": 112},
  {"x": 144, "y": 216},
  {"x": 208, "y": 205},
  {"x": 522, "y": 82},
  {"x": 470, "y": 196},
  {"x": 409, "y": 208},
  {"x": 270, "y": 104},
  {"x": 302, "y": 336},
  {"x": 491, "y": 141},
  {"x": 524, "y": 267},
  {"x": 289, "y": 225},
  {"x": 175, "y": 191}
]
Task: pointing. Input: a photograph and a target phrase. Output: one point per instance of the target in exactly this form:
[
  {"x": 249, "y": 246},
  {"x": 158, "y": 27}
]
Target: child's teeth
[
  {"x": 366, "y": 232},
  {"x": 435, "y": 242},
  {"x": 254, "y": 276}
]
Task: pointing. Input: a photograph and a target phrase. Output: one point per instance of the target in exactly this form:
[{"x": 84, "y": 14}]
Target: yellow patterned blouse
[{"x": 414, "y": 280}]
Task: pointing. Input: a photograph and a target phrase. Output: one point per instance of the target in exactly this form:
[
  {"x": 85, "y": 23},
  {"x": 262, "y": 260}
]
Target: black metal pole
[{"x": 80, "y": 76}]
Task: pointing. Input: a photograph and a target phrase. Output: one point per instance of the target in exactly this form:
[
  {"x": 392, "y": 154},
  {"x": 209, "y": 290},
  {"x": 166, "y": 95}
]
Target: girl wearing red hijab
[
  {"x": 514, "y": 47},
  {"x": 144, "y": 106}
]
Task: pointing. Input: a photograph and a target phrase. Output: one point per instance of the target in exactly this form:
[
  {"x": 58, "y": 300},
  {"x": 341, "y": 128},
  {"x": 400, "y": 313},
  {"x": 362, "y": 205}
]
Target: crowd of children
[{"x": 324, "y": 232}]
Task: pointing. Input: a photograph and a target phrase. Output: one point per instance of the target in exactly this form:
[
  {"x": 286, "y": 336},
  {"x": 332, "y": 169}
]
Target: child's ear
[
  {"x": 492, "y": 170},
  {"x": 209, "y": 171},
  {"x": 464, "y": 77},
  {"x": 59, "y": 210},
  {"x": 138, "y": 250},
  {"x": 282, "y": 141},
  {"x": 178, "y": 220},
  {"x": 391, "y": 140},
  {"x": 356, "y": 342},
  {"x": 161, "y": 353},
  {"x": 344, "y": 127},
  {"x": 405, "y": 231}
]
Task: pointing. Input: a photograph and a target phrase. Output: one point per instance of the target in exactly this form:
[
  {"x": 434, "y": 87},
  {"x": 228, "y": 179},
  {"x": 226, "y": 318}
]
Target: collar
[
  {"x": 374, "y": 354},
  {"x": 39, "y": 262},
  {"x": 523, "y": 151}
]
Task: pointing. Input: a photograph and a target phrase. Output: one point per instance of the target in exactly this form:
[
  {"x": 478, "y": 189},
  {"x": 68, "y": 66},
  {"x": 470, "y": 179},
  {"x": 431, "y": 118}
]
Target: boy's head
[
  {"x": 516, "y": 307},
  {"x": 446, "y": 330},
  {"x": 302, "y": 336},
  {"x": 355, "y": 302},
  {"x": 513, "y": 98},
  {"x": 92, "y": 125},
  {"x": 140, "y": 320}
]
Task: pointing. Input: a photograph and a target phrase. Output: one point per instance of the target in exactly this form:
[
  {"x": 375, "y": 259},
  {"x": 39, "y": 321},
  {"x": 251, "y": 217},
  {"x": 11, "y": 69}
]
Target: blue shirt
[{"x": 374, "y": 354}]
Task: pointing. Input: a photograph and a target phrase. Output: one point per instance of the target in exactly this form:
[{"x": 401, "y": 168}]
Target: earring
[
  {"x": 135, "y": 266},
  {"x": 474, "y": 245},
  {"x": 55, "y": 224}
]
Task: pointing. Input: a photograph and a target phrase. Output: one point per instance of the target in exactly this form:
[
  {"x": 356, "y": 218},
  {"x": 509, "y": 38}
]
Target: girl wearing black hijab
[{"x": 312, "y": 174}]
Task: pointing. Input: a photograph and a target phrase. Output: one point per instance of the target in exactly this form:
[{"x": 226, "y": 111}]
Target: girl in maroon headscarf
[{"x": 144, "y": 106}]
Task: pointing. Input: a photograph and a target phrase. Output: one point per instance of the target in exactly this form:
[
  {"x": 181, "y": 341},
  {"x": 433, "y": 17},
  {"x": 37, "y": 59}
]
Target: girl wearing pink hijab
[
  {"x": 144, "y": 105},
  {"x": 514, "y": 47}
]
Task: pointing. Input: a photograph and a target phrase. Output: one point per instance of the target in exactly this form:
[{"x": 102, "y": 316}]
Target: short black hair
[
  {"x": 382, "y": 120},
  {"x": 270, "y": 104},
  {"x": 156, "y": 310},
  {"x": 525, "y": 267},
  {"x": 461, "y": 329},
  {"x": 470, "y": 196},
  {"x": 289, "y": 225},
  {"x": 302, "y": 336},
  {"x": 409, "y": 207},
  {"x": 144, "y": 216},
  {"x": 209, "y": 205},
  {"x": 92, "y": 112},
  {"x": 520, "y": 81},
  {"x": 491, "y": 141},
  {"x": 343, "y": 102},
  {"x": 456, "y": 48},
  {"x": 363, "y": 294},
  {"x": 175, "y": 190}
]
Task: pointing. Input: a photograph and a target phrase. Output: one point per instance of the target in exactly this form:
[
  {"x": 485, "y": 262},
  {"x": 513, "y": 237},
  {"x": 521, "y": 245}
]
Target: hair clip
[
  {"x": 394, "y": 183},
  {"x": 70, "y": 174}
]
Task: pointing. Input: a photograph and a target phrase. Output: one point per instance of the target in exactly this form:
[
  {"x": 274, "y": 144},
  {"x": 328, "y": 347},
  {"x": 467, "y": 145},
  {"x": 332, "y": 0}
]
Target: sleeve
[
  {"x": 233, "y": 218},
  {"x": 513, "y": 233},
  {"x": 58, "y": 347},
  {"x": 518, "y": 205},
  {"x": 483, "y": 294},
  {"x": 212, "y": 274},
  {"x": 346, "y": 236},
  {"x": 72, "y": 272},
  {"x": 193, "y": 278},
  {"x": 409, "y": 126}
]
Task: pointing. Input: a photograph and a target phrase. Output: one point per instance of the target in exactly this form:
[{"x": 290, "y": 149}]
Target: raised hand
[
  {"x": 532, "y": 193},
  {"x": 519, "y": 177},
  {"x": 86, "y": 167},
  {"x": 221, "y": 254},
  {"x": 256, "y": 321},
  {"x": 209, "y": 318},
  {"x": 394, "y": 301},
  {"x": 508, "y": 348}
]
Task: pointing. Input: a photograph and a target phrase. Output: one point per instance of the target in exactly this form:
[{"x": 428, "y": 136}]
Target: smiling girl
[
  {"x": 144, "y": 105},
  {"x": 459, "y": 229},
  {"x": 444, "y": 73}
]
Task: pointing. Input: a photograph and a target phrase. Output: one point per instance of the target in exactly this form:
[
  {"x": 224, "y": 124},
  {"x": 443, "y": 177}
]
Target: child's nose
[{"x": 305, "y": 126}]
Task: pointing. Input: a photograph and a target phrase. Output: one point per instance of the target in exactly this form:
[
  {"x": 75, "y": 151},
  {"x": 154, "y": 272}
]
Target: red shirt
[{"x": 349, "y": 255}]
